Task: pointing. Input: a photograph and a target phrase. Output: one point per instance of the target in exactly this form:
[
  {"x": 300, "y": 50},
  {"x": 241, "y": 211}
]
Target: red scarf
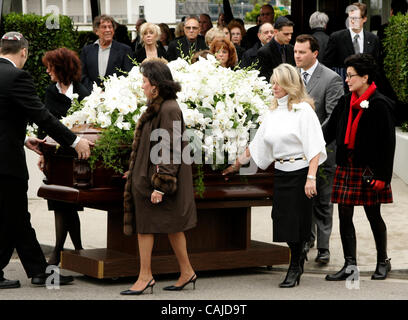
[{"x": 352, "y": 125}]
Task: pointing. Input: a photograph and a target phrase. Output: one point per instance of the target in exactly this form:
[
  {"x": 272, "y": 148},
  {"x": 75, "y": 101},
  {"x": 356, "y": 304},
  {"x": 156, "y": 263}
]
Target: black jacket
[
  {"x": 322, "y": 38},
  {"x": 118, "y": 59},
  {"x": 141, "y": 53},
  {"x": 250, "y": 56},
  {"x": 19, "y": 104},
  {"x": 375, "y": 137},
  {"x": 58, "y": 104},
  {"x": 173, "y": 51},
  {"x": 269, "y": 58},
  {"x": 340, "y": 46}
]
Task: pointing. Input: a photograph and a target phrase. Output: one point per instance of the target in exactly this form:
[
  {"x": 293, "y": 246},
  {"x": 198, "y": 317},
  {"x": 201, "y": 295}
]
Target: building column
[
  {"x": 129, "y": 11},
  {"x": 85, "y": 7},
  {"x": 107, "y": 7},
  {"x": 64, "y": 7},
  {"x": 24, "y": 6},
  {"x": 43, "y": 7}
]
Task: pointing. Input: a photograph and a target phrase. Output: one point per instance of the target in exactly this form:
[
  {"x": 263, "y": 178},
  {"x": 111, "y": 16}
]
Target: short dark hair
[
  {"x": 314, "y": 44},
  {"x": 98, "y": 20},
  {"x": 159, "y": 75},
  {"x": 362, "y": 7},
  {"x": 399, "y": 6},
  {"x": 12, "y": 42},
  {"x": 65, "y": 64},
  {"x": 282, "y": 22},
  {"x": 364, "y": 64}
]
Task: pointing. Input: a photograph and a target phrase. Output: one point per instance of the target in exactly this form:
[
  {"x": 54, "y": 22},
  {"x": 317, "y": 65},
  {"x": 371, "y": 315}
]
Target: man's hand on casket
[
  {"x": 34, "y": 144},
  {"x": 83, "y": 148}
]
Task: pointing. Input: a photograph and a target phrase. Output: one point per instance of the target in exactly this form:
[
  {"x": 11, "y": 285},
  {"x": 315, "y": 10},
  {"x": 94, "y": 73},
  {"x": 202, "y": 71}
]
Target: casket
[{"x": 221, "y": 240}]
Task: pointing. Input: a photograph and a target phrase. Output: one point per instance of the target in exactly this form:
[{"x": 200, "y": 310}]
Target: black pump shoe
[
  {"x": 382, "y": 269},
  {"x": 175, "y": 288},
  {"x": 9, "y": 284},
  {"x": 292, "y": 278},
  {"x": 139, "y": 292}
]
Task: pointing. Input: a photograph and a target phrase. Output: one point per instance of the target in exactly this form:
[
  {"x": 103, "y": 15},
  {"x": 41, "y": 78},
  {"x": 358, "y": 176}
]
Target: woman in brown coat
[{"x": 159, "y": 194}]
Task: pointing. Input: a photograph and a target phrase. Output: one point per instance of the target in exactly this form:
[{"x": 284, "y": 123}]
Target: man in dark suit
[
  {"x": 349, "y": 41},
  {"x": 325, "y": 87},
  {"x": 267, "y": 14},
  {"x": 190, "y": 43},
  {"x": 106, "y": 56},
  {"x": 265, "y": 34},
  {"x": 19, "y": 104},
  {"x": 278, "y": 50}
]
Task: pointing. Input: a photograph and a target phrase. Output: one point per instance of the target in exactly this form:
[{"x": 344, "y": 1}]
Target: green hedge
[
  {"x": 42, "y": 39},
  {"x": 396, "y": 55},
  {"x": 251, "y": 16}
]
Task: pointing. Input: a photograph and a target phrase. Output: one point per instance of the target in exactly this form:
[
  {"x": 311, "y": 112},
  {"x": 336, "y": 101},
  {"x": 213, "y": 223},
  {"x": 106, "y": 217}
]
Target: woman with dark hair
[
  {"x": 225, "y": 52},
  {"x": 151, "y": 46},
  {"x": 237, "y": 32},
  {"x": 159, "y": 194},
  {"x": 362, "y": 126},
  {"x": 166, "y": 35},
  {"x": 64, "y": 68}
]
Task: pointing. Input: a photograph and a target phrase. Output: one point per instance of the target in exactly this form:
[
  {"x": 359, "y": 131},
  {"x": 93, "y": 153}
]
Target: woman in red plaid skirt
[{"x": 363, "y": 127}]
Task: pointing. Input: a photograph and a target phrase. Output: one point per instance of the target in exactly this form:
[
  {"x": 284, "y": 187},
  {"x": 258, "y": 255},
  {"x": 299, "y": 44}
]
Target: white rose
[{"x": 364, "y": 104}]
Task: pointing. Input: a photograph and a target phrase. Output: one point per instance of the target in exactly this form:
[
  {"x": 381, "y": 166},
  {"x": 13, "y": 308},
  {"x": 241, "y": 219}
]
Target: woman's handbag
[{"x": 367, "y": 176}]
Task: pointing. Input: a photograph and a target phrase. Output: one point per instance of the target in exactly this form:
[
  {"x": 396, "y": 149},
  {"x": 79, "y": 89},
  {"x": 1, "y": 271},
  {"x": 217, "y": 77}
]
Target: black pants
[{"x": 16, "y": 231}]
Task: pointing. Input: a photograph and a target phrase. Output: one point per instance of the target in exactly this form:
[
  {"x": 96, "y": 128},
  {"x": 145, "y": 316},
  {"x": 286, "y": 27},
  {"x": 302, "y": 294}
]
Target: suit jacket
[
  {"x": 340, "y": 46},
  {"x": 322, "y": 39},
  {"x": 269, "y": 58},
  {"x": 118, "y": 59},
  {"x": 250, "y": 56},
  {"x": 173, "y": 51},
  {"x": 141, "y": 53},
  {"x": 19, "y": 104},
  {"x": 325, "y": 87},
  {"x": 58, "y": 104}
]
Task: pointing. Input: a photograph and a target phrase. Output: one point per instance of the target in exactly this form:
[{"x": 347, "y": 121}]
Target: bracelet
[
  {"x": 162, "y": 193},
  {"x": 311, "y": 177}
]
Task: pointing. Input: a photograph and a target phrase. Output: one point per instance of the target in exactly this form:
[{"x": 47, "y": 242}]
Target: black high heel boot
[
  {"x": 350, "y": 264},
  {"x": 295, "y": 269},
  {"x": 382, "y": 269}
]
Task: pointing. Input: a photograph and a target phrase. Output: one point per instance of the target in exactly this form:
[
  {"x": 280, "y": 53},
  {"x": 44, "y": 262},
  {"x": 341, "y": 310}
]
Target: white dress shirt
[
  {"x": 360, "y": 39},
  {"x": 284, "y": 134},
  {"x": 310, "y": 70}
]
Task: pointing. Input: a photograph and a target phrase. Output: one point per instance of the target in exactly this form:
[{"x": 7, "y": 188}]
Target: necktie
[
  {"x": 283, "y": 53},
  {"x": 355, "y": 44},
  {"x": 305, "y": 76}
]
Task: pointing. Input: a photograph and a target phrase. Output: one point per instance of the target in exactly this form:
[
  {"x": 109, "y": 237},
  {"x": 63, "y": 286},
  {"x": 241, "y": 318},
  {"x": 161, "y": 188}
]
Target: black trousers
[{"x": 16, "y": 231}]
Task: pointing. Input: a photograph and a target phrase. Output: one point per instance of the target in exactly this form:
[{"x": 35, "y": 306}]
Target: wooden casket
[{"x": 221, "y": 240}]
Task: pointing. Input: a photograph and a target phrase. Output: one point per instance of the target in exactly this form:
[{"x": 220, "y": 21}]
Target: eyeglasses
[
  {"x": 354, "y": 18},
  {"x": 191, "y": 28},
  {"x": 349, "y": 76}
]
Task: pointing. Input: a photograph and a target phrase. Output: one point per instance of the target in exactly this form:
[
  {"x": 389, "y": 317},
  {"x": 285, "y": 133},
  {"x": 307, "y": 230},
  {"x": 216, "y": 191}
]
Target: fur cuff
[{"x": 164, "y": 183}]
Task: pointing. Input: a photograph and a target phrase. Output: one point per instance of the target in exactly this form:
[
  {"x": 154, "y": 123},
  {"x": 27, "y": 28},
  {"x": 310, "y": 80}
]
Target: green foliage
[
  {"x": 41, "y": 39},
  {"x": 396, "y": 53},
  {"x": 251, "y": 16},
  {"x": 404, "y": 126}
]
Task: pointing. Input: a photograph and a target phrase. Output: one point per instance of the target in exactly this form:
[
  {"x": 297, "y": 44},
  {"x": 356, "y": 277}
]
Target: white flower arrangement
[
  {"x": 364, "y": 104},
  {"x": 220, "y": 106}
]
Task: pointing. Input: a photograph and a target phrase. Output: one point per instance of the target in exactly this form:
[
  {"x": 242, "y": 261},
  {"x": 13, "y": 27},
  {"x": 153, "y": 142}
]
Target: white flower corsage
[{"x": 364, "y": 104}]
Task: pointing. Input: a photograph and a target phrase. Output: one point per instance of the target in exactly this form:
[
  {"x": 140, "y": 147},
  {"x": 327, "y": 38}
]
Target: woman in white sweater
[{"x": 290, "y": 134}]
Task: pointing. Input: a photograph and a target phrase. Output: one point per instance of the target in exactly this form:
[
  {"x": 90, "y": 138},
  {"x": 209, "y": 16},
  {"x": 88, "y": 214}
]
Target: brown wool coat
[{"x": 177, "y": 211}]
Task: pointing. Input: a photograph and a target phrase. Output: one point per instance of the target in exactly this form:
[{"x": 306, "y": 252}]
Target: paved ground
[{"x": 246, "y": 284}]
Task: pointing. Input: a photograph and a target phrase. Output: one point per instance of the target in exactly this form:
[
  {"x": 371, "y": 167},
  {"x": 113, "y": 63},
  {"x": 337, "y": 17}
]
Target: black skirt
[{"x": 291, "y": 209}]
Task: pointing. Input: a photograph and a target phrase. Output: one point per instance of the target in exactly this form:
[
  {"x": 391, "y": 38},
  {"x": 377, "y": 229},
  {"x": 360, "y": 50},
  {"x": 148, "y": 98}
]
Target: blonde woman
[
  {"x": 151, "y": 46},
  {"x": 290, "y": 134},
  {"x": 212, "y": 34}
]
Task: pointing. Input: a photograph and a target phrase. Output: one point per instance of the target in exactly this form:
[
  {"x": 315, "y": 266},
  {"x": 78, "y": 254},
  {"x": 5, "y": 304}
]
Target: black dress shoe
[
  {"x": 323, "y": 256},
  {"x": 40, "y": 279},
  {"x": 9, "y": 284},
  {"x": 139, "y": 292},
  {"x": 179, "y": 288},
  {"x": 382, "y": 269}
]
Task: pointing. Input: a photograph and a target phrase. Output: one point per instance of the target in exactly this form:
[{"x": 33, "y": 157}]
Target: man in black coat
[
  {"x": 278, "y": 50},
  {"x": 265, "y": 34},
  {"x": 267, "y": 14},
  {"x": 190, "y": 43},
  {"x": 19, "y": 104},
  {"x": 349, "y": 41},
  {"x": 106, "y": 56},
  {"x": 318, "y": 24}
]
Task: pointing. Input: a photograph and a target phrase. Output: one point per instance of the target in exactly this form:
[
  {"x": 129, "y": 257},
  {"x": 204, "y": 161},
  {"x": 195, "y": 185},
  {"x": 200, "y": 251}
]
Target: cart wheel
[{"x": 115, "y": 278}]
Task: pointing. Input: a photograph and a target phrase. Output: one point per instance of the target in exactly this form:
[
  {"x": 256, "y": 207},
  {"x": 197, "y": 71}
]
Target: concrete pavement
[{"x": 247, "y": 284}]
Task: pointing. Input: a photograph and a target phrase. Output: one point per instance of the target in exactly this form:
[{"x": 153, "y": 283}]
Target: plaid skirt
[{"x": 348, "y": 189}]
